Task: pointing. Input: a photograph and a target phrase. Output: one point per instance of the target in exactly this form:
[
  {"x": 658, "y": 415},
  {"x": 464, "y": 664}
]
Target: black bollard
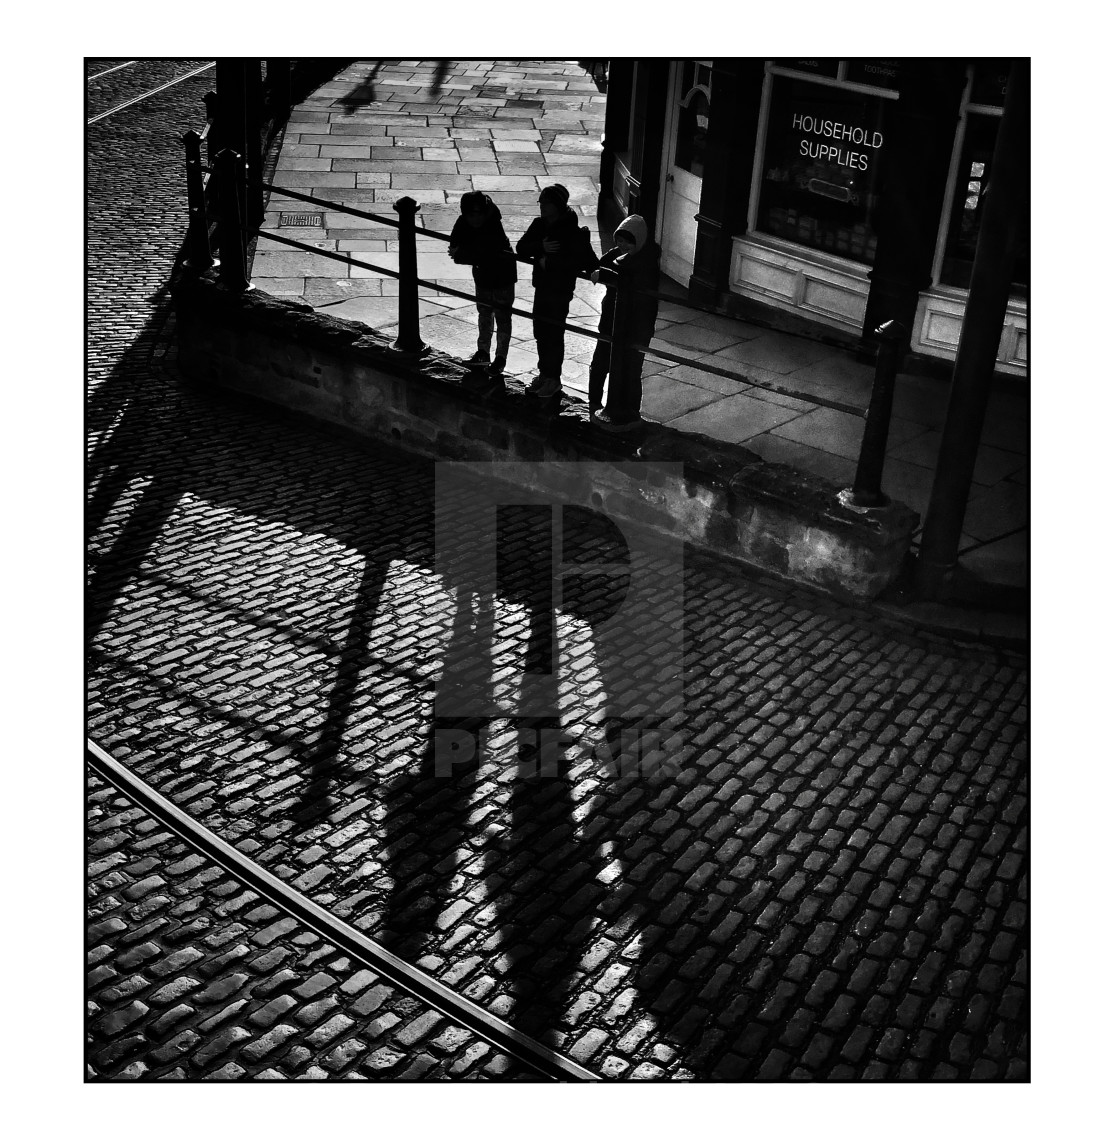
[
  {"x": 198, "y": 235},
  {"x": 231, "y": 237},
  {"x": 866, "y": 491},
  {"x": 408, "y": 299}
]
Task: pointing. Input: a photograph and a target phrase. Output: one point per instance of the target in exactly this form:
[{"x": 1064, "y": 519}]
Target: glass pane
[
  {"x": 703, "y": 76},
  {"x": 692, "y": 135},
  {"x": 968, "y": 207},
  {"x": 827, "y": 67},
  {"x": 821, "y": 171},
  {"x": 874, "y": 72}
]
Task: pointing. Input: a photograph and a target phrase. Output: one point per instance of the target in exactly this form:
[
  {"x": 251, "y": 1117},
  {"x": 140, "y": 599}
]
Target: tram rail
[
  {"x": 148, "y": 94},
  {"x": 110, "y": 70},
  {"x": 517, "y": 1045}
]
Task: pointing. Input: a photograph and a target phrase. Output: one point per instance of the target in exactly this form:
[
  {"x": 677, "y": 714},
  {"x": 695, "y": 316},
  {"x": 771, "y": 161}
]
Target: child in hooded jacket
[
  {"x": 478, "y": 239},
  {"x": 636, "y": 259},
  {"x": 559, "y": 248}
]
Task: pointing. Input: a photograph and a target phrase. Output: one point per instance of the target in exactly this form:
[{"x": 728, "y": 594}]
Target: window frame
[
  {"x": 771, "y": 70},
  {"x": 967, "y": 107}
]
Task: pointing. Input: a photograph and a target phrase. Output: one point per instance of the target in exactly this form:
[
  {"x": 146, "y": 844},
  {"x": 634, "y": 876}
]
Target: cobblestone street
[{"x": 833, "y": 885}]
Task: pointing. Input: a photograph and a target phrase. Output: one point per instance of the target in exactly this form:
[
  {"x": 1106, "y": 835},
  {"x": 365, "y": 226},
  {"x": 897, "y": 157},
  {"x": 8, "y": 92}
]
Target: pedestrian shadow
[{"x": 527, "y": 868}]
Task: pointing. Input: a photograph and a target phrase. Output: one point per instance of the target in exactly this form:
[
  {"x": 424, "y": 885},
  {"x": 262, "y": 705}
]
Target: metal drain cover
[{"x": 302, "y": 220}]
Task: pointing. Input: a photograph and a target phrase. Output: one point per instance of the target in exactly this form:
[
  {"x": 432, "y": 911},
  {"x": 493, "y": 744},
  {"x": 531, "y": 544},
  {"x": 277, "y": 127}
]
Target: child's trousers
[{"x": 488, "y": 317}]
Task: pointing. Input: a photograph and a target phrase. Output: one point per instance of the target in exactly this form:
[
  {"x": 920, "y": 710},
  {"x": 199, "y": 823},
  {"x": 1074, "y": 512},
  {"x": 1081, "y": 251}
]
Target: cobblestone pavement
[
  {"x": 194, "y": 977},
  {"x": 832, "y": 886}
]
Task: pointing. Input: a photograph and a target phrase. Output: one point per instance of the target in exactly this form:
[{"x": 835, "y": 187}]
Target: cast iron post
[
  {"x": 866, "y": 490},
  {"x": 231, "y": 238},
  {"x": 198, "y": 236},
  {"x": 254, "y": 167},
  {"x": 989, "y": 289},
  {"x": 408, "y": 299}
]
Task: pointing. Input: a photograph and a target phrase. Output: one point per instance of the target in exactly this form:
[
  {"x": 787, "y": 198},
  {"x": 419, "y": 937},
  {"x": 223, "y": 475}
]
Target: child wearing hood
[
  {"x": 479, "y": 240},
  {"x": 635, "y": 258},
  {"x": 559, "y": 248}
]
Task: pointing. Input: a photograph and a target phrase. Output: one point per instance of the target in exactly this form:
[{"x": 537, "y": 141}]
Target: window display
[{"x": 821, "y": 169}]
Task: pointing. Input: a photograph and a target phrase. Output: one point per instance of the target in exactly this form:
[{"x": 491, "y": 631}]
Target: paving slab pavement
[{"x": 529, "y": 121}]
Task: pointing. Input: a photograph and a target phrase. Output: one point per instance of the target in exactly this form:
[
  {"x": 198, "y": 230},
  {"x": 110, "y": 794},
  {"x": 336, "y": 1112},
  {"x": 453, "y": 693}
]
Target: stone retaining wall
[{"x": 726, "y": 500}]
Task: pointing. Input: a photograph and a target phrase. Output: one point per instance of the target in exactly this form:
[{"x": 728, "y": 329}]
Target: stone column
[
  {"x": 615, "y": 128},
  {"x": 649, "y": 138}
]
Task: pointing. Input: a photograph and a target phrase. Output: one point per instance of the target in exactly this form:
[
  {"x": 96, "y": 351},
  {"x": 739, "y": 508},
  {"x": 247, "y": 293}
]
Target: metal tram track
[
  {"x": 110, "y": 70},
  {"x": 148, "y": 94},
  {"x": 531, "y": 1053}
]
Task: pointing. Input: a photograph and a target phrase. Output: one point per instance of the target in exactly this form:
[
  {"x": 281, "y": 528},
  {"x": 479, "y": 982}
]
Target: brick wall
[{"x": 726, "y": 500}]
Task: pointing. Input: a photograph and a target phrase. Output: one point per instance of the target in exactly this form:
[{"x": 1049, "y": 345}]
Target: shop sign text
[{"x": 841, "y": 133}]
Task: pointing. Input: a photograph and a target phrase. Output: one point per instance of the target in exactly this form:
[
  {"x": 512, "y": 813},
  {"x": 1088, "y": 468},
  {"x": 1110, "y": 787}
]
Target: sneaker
[
  {"x": 498, "y": 367},
  {"x": 610, "y": 423},
  {"x": 480, "y": 357},
  {"x": 547, "y": 386}
]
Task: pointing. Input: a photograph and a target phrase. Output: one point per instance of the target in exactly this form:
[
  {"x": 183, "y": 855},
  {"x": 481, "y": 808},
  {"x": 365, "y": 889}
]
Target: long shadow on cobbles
[{"x": 760, "y": 938}]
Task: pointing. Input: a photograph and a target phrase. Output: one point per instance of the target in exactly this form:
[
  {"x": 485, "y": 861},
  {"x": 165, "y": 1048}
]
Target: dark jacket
[
  {"x": 486, "y": 249},
  {"x": 642, "y": 270},
  {"x": 558, "y": 273}
]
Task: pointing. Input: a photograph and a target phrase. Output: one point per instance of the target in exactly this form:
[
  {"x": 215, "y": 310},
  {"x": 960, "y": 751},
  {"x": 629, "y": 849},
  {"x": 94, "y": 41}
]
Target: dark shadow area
[{"x": 315, "y": 799}]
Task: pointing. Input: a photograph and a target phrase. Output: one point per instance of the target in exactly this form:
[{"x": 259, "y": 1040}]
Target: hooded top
[
  {"x": 556, "y": 272},
  {"x": 635, "y": 226},
  {"x": 487, "y": 248},
  {"x": 642, "y": 268}
]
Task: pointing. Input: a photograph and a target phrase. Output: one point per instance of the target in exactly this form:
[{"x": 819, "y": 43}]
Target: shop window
[
  {"x": 969, "y": 195},
  {"x": 692, "y": 117},
  {"x": 821, "y": 167}
]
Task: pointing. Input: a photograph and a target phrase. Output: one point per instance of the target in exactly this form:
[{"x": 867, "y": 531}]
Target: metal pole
[
  {"x": 988, "y": 292},
  {"x": 198, "y": 236},
  {"x": 254, "y": 167},
  {"x": 866, "y": 490},
  {"x": 213, "y": 126},
  {"x": 231, "y": 238},
  {"x": 278, "y": 82},
  {"x": 408, "y": 300}
]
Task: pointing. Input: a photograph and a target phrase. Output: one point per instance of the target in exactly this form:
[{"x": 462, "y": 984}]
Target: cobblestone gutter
[{"x": 726, "y": 500}]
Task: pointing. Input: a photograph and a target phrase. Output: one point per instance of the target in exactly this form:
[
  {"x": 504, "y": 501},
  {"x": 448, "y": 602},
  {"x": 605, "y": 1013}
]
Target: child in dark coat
[
  {"x": 636, "y": 259},
  {"x": 479, "y": 240},
  {"x": 559, "y": 248}
]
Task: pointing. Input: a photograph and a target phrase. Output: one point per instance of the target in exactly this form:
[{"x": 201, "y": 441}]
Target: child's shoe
[
  {"x": 545, "y": 386},
  {"x": 498, "y": 367},
  {"x": 480, "y": 357}
]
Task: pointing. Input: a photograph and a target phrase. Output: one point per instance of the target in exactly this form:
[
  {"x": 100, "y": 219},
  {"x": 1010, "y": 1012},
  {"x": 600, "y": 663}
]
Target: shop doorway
[{"x": 686, "y": 133}]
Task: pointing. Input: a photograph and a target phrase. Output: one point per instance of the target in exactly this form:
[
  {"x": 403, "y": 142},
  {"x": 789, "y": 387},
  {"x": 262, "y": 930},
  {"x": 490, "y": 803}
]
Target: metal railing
[{"x": 230, "y": 171}]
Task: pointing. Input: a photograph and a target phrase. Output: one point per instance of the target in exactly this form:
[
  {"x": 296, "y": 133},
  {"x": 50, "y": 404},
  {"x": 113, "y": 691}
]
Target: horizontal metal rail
[
  {"x": 420, "y": 985},
  {"x": 660, "y": 353},
  {"x": 149, "y": 94}
]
